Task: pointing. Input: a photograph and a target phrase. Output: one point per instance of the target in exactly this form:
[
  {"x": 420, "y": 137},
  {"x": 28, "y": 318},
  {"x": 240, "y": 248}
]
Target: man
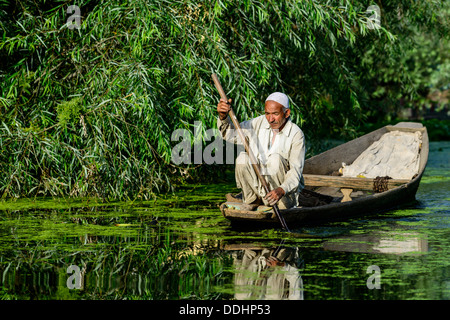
[{"x": 279, "y": 146}]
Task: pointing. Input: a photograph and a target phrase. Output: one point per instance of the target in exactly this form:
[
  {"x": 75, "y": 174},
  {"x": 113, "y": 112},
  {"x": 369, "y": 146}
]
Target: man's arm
[
  {"x": 293, "y": 178},
  {"x": 225, "y": 125},
  {"x": 296, "y": 159}
]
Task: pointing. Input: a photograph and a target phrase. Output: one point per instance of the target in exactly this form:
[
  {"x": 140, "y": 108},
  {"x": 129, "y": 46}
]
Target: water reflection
[
  {"x": 156, "y": 251},
  {"x": 380, "y": 242},
  {"x": 275, "y": 273},
  {"x": 266, "y": 273}
]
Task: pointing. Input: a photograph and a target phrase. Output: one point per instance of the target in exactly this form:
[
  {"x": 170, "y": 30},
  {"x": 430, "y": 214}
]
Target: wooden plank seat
[{"x": 347, "y": 184}]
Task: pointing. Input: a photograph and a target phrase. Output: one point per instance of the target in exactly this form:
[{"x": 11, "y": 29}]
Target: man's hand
[
  {"x": 273, "y": 196},
  {"x": 273, "y": 261},
  {"x": 223, "y": 108}
]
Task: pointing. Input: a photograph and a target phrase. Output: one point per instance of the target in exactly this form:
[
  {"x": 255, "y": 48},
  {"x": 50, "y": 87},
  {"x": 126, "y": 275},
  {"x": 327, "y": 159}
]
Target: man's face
[{"x": 275, "y": 115}]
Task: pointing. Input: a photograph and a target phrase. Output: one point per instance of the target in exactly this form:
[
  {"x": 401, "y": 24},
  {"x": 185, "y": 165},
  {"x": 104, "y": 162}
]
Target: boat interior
[{"x": 323, "y": 173}]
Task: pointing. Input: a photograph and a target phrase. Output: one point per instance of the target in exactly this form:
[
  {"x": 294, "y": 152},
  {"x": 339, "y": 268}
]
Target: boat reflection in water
[
  {"x": 266, "y": 273},
  {"x": 380, "y": 242}
]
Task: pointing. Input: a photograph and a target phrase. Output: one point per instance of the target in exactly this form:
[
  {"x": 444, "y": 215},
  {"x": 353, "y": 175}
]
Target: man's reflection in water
[{"x": 268, "y": 274}]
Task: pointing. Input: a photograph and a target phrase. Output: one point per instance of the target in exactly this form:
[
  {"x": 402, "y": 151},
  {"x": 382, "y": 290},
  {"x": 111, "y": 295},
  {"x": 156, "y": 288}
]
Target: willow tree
[{"x": 88, "y": 104}]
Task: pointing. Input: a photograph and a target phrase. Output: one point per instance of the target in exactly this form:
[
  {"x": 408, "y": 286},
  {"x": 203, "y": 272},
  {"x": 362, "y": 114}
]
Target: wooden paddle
[{"x": 253, "y": 160}]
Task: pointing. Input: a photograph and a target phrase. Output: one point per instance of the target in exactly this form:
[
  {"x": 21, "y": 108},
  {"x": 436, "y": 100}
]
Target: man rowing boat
[{"x": 279, "y": 147}]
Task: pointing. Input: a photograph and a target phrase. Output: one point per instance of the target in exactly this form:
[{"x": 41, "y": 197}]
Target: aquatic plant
[{"x": 114, "y": 262}]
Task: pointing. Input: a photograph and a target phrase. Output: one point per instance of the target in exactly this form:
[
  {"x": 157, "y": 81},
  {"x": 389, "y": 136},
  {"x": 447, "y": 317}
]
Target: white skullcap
[{"x": 279, "y": 97}]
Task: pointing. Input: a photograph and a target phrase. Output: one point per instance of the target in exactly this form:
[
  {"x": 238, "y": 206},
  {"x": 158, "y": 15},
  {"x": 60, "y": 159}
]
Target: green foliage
[
  {"x": 69, "y": 111},
  {"x": 91, "y": 111},
  {"x": 407, "y": 73}
]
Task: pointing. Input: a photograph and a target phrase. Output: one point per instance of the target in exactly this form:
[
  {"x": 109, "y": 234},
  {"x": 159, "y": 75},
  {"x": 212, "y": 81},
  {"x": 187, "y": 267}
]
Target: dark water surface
[{"x": 180, "y": 247}]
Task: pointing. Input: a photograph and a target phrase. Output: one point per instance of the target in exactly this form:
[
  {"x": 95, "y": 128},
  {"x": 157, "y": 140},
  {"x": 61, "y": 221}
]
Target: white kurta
[{"x": 286, "y": 153}]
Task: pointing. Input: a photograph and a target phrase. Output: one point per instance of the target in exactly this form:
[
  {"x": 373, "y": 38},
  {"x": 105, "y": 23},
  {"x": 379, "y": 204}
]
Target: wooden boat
[{"x": 357, "y": 197}]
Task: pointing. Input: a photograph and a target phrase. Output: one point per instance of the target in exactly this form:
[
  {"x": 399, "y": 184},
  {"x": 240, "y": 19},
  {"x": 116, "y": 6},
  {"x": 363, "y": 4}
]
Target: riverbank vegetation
[{"x": 89, "y": 110}]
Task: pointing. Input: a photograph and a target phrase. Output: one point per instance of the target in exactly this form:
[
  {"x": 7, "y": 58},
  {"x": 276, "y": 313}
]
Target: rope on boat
[{"x": 380, "y": 184}]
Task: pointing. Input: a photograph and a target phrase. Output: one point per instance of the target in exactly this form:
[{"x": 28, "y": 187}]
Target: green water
[{"x": 180, "y": 247}]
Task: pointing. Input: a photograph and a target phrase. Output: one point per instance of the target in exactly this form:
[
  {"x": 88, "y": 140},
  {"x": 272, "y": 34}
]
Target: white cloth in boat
[
  {"x": 287, "y": 151},
  {"x": 395, "y": 154}
]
